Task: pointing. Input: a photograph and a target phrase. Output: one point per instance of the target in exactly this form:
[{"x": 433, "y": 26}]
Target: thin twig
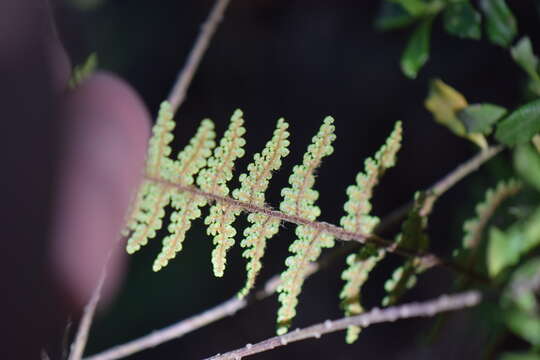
[
  {"x": 227, "y": 308},
  {"x": 220, "y": 311},
  {"x": 443, "y": 185},
  {"x": 417, "y": 309},
  {"x": 78, "y": 345},
  {"x": 178, "y": 92},
  {"x": 234, "y": 304}
]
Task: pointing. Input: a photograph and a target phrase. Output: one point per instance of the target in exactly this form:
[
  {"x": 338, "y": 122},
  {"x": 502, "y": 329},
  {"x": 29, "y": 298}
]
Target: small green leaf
[
  {"x": 520, "y": 356},
  {"x": 523, "y": 54},
  {"x": 505, "y": 248},
  {"x": 461, "y": 19},
  {"x": 521, "y": 125},
  {"x": 520, "y": 291},
  {"x": 83, "y": 71},
  {"x": 445, "y": 102},
  {"x": 527, "y": 164},
  {"x": 524, "y": 324},
  {"x": 413, "y": 7},
  {"x": 417, "y": 51},
  {"x": 479, "y": 118},
  {"x": 393, "y": 16},
  {"x": 498, "y": 256},
  {"x": 501, "y": 25}
]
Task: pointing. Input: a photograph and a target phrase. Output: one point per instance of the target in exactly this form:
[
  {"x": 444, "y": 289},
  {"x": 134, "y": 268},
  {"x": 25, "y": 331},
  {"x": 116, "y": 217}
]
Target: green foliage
[
  {"x": 523, "y": 54},
  {"x": 83, "y": 71},
  {"x": 446, "y": 103},
  {"x": 506, "y": 247},
  {"x": 480, "y": 118},
  {"x": 474, "y": 227},
  {"x": 527, "y": 164},
  {"x": 520, "y": 356},
  {"x": 521, "y": 125},
  {"x": 500, "y": 24},
  {"x": 462, "y": 20},
  {"x": 416, "y": 53},
  {"x": 414, "y": 238},
  {"x": 413, "y": 7},
  {"x": 393, "y": 16}
]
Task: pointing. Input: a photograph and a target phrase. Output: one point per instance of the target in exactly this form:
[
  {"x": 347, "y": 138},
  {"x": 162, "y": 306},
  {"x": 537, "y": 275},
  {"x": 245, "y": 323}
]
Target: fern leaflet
[
  {"x": 252, "y": 189},
  {"x": 357, "y": 219},
  {"x": 412, "y": 237},
  {"x": 299, "y": 200}
]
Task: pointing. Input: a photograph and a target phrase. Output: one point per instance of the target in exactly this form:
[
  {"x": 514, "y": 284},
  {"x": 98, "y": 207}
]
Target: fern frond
[
  {"x": 474, "y": 227},
  {"x": 213, "y": 179},
  {"x": 357, "y": 219},
  {"x": 253, "y": 187},
  {"x": 299, "y": 200},
  {"x": 414, "y": 238},
  {"x": 186, "y": 205}
]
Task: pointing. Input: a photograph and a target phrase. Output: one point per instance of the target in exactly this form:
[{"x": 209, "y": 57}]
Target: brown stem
[{"x": 427, "y": 260}]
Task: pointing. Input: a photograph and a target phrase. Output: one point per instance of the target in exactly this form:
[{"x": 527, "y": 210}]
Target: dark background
[{"x": 301, "y": 60}]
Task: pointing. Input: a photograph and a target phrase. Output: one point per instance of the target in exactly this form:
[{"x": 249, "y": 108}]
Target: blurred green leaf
[
  {"x": 524, "y": 324},
  {"x": 520, "y": 292},
  {"x": 416, "y": 53},
  {"x": 506, "y": 247},
  {"x": 83, "y": 71},
  {"x": 462, "y": 20},
  {"x": 413, "y": 7},
  {"x": 445, "y": 102},
  {"x": 520, "y": 356},
  {"x": 527, "y": 164},
  {"x": 393, "y": 16},
  {"x": 523, "y": 54},
  {"x": 498, "y": 256},
  {"x": 500, "y": 24},
  {"x": 521, "y": 125},
  {"x": 479, "y": 118}
]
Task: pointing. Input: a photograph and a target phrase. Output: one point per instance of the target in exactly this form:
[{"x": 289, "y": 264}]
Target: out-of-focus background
[{"x": 301, "y": 60}]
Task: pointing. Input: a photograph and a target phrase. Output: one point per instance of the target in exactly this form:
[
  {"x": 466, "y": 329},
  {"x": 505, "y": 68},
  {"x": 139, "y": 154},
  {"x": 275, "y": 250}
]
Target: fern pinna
[{"x": 199, "y": 176}]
